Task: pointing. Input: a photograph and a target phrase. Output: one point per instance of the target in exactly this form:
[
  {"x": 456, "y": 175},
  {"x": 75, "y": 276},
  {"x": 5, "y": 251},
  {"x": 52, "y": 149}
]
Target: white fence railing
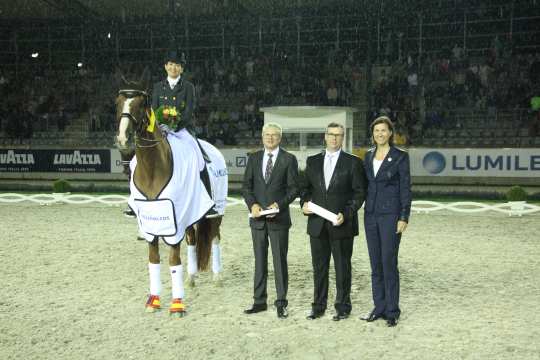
[
  {"x": 511, "y": 208},
  {"x": 419, "y": 206}
]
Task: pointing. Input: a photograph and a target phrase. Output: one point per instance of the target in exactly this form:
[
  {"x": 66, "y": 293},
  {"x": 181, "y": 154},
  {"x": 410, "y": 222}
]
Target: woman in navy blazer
[{"x": 386, "y": 214}]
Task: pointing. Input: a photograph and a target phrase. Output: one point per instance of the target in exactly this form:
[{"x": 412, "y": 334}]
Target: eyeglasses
[
  {"x": 334, "y": 135},
  {"x": 271, "y": 135}
]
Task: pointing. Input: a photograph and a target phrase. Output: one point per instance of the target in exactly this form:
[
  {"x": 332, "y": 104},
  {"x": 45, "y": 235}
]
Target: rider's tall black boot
[
  {"x": 205, "y": 178},
  {"x": 204, "y": 154}
]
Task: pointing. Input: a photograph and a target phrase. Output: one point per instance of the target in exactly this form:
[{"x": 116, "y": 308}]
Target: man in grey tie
[
  {"x": 270, "y": 182},
  {"x": 334, "y": 180}
]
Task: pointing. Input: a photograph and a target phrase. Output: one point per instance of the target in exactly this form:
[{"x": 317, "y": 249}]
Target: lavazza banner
[
  {"x": 70, "y": 161},
  {"x": 475, "y": 162}
]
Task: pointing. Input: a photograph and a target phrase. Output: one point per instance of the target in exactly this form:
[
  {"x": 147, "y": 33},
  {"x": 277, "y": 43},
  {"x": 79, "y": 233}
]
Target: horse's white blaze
[
  {"x": 122, "y": 131},
  {"x": 124, "y": 124}
]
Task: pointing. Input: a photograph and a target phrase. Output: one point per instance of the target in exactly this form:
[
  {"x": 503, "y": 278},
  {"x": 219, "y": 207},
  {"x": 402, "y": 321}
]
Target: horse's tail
[{"x": 207, "y": 230}]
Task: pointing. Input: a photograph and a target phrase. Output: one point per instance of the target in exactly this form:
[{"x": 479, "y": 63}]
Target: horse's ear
[
  {"x": 145, "y": 78},
  {"x": 119, "y": 79}
]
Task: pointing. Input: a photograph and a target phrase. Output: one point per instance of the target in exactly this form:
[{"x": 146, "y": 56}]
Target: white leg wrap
[
  {"x": 216, "y": 258},
  {"x": 155, "y": 278},
  {"x": 191, "y": 260},
  {"x": 177, "y": 281}
]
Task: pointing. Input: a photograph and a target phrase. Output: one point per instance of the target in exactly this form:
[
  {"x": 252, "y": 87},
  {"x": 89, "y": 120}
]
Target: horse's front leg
[
  {"x": 154, "y": 270},
  {"x": 177, "y": 308}
]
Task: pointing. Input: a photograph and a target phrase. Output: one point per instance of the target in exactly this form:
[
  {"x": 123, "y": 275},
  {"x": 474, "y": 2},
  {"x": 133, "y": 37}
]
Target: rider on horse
[{"x": 165, "y": 190}]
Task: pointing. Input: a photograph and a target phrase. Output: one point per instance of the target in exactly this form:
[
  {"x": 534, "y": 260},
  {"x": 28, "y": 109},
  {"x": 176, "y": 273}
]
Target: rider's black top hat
[{"x": 175, "y": 56}]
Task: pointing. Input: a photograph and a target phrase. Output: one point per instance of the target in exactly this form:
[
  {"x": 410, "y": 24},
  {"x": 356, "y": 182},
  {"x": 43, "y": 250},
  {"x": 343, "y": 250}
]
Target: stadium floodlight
[
  {"x": 108, "y": 35},
  {"x": 35, "y": 55},
  {"x": 79, "y": 65}
]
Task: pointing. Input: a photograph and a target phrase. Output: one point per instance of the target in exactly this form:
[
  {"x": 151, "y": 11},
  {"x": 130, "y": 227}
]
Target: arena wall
[{"x": 429, "y": 166}]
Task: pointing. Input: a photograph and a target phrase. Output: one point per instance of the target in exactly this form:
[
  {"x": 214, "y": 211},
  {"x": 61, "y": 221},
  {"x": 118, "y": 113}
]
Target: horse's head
[{"x": 132, "y": 108}]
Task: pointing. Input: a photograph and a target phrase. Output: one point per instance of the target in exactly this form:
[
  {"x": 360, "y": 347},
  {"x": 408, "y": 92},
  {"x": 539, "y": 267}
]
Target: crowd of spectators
[
  {"x": 41, "y": 100},
  {"x": 418, "y": 94},
  {"x": 427, "y": 93}
]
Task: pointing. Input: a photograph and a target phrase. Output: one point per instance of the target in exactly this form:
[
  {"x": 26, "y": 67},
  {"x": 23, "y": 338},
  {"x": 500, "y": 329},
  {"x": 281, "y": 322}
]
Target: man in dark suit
[
  {"x": 177, "y": 92},
  {"x": 335, "y": 181},
  {"x": 270, "y": 182}
]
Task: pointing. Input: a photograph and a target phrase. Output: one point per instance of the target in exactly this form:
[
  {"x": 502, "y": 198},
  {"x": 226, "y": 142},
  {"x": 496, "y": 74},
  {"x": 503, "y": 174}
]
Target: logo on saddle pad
[
  {"x": 76, "y": 158},
  {"x": 156, "y": 217}
]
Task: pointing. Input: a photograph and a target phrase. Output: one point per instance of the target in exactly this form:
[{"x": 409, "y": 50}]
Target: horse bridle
[{"x": 131, "y": 93}]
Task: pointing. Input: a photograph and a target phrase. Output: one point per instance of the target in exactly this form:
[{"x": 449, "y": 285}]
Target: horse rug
[
  {"x": 181, "y": 203},
  {"x": 217, "y": 171}
]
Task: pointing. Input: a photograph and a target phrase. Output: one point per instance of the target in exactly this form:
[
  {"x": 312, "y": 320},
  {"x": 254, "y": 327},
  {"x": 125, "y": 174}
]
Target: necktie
[
  {"x": 268, "y": 170},
  {"x": 328, "y": 170}
]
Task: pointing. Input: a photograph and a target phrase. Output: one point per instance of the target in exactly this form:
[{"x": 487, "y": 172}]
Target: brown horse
[{"x": 151, "y": 174}]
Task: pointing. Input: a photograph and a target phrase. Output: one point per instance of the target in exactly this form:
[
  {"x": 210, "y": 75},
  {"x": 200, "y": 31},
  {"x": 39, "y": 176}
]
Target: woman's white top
[{"x": 376, "y": 165}]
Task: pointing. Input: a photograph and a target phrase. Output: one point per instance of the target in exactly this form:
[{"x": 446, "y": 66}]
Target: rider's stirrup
[{"x": 212, "y": 213}]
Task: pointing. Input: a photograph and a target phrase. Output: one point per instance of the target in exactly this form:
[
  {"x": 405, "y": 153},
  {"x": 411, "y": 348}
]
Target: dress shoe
[
  {"x": 256, "y": 308},
  {"x": 340, "y": 316},
  {"x": 315, "y": 315},
  {"x": 391, "y": 322},
  {"x": 282, "y": 312},
  {"x": 373, "y": 316}
]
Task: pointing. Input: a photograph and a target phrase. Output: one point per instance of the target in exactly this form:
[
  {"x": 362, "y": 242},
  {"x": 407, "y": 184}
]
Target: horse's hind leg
[
  {"x": 154, "y": 270},
  {"x": 216, "y": 250},
  {"x": 177, "y": 308},
  {"x": 216, "y": 261},
  {"x": 191, "y": 256}
]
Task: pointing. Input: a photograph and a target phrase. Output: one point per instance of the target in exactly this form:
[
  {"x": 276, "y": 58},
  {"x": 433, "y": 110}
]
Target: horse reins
[{"x": 131, "y": 93}]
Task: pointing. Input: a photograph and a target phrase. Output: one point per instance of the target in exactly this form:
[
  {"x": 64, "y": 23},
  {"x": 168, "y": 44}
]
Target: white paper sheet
[
  {"x": 267, "y": 212},
  {"x": 322, "y": 212}
]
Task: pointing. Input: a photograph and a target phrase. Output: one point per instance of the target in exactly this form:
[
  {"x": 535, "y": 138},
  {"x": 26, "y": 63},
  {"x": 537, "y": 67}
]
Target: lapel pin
[{"x": 389, "y": 159}]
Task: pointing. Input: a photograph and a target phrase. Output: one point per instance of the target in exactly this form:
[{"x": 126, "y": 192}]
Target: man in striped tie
[{"x": 270, "y": 182}]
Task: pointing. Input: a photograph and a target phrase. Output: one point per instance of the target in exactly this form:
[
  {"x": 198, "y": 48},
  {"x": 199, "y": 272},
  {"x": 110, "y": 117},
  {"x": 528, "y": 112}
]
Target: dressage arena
[{"x": 74, "y": 282}]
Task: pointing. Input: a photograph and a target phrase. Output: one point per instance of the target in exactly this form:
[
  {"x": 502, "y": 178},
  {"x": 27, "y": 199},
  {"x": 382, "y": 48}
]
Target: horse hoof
[
  {"x": 153, "y": 304},
  {"x": 150, "y": 310}
]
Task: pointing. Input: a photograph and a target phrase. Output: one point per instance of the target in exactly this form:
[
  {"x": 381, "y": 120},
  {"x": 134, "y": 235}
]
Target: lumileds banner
[
  {"x": 475, "y": 162},
  {"x": 69, "y": 161}
]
